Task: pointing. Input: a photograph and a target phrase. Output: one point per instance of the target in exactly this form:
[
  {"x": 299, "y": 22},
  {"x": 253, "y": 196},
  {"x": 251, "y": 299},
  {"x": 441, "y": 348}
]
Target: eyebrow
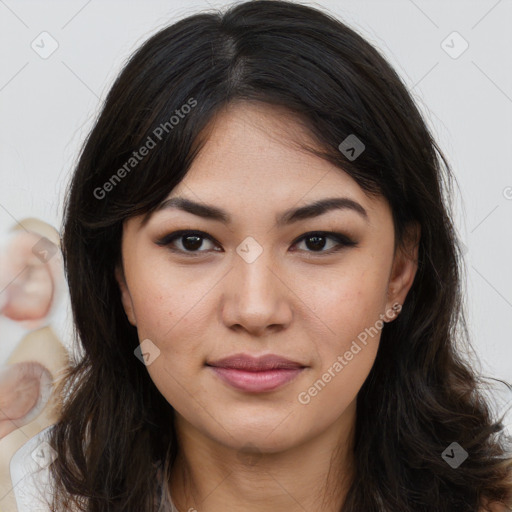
[{"x": 290, "y": 216}]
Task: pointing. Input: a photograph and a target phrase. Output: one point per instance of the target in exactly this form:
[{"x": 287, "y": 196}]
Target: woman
[{"x": 265, "y": 281}]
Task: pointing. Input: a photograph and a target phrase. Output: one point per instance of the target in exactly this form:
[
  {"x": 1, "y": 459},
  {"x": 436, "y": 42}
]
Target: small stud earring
[{"x": 396, "y": 308}]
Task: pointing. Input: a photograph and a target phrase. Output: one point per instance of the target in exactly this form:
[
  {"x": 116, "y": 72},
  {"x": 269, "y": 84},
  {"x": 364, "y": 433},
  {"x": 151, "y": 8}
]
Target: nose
[{"x": 256, "y": 298}]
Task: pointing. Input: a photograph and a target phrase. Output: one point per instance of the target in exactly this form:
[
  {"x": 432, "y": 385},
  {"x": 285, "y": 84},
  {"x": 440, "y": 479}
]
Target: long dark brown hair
[{"x": 422, "y": 394}]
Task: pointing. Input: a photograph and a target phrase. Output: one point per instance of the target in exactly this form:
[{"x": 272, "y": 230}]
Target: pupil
[
  {"x": 317, "y": 244},
  {"x": 195, "y": 245}
]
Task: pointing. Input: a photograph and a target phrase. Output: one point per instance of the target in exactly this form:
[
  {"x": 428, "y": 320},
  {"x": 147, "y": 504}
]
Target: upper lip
[{"x": 254, "y": 364}]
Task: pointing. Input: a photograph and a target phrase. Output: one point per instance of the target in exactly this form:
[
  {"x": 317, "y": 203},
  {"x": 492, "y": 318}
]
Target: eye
[
  {"x": 316, "y": 241},
  {"x": 191, "y": 241}
]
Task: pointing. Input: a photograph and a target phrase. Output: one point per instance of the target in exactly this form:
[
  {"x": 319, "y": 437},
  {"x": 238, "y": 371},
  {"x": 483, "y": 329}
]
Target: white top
[{"x": 31, "y": 477}]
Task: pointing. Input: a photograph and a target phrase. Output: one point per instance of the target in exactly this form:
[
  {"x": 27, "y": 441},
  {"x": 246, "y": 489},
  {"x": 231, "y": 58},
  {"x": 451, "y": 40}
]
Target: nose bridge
[
  {"x": 254, "y": 271},
  {"x": 255, "y": 297}
]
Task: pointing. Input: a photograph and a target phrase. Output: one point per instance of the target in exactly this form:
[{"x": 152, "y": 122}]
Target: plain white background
[{"x": 47, "y": 107}]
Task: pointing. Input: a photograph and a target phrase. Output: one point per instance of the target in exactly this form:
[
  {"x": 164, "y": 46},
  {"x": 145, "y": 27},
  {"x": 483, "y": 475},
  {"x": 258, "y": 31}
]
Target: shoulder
[{"x": 29, "y": 468}]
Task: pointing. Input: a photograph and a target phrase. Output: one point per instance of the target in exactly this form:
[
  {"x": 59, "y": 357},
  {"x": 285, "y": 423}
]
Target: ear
[
  {"x": 126, "y": 298},
  {"x": 405, "y": 265}
]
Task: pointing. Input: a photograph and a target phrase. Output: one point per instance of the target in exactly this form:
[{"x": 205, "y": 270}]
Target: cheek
[
  {"x": 349, "y": 304},
  {"x": 347, "y": 300},
  {"x": 173, "y": 312},
  {"x": 166, "y": 296},
  {"x": 349, "y": 309}
]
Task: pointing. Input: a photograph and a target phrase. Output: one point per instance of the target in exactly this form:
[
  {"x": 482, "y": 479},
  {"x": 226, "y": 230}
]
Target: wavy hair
[{"x": 115, "y": 435}]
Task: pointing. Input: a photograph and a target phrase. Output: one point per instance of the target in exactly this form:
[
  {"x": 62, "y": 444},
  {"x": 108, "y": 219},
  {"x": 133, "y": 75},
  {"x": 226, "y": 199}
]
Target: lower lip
[{"x": 256, "y": 382}]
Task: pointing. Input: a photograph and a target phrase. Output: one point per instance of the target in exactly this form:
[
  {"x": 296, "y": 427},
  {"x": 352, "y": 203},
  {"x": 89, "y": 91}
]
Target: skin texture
[{"x": 294, "y": 300}]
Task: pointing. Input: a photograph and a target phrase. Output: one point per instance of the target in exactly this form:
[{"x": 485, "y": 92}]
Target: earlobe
[{"x": 125, "y": 295}]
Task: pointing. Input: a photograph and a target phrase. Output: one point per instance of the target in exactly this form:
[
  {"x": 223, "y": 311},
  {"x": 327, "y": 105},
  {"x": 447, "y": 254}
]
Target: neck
[{"x": 314, "y": 475}]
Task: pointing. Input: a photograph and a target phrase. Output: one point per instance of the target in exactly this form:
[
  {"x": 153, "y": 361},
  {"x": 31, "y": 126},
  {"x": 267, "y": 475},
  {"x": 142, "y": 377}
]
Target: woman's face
[{"x": 254, "y": 285}]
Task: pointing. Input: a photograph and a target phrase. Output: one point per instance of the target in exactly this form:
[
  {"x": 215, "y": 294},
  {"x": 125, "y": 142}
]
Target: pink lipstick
[{"x": 256, "y": 374}]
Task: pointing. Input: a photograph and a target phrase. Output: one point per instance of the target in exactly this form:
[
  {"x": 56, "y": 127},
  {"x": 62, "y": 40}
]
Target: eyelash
[{"x": 341, "y": 239}]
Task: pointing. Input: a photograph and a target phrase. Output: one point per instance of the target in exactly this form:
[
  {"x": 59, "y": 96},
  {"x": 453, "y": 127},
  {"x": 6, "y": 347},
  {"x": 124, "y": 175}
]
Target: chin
[
  {"x": 267, "y": 435},
  {"x": 253, "y": 443}
]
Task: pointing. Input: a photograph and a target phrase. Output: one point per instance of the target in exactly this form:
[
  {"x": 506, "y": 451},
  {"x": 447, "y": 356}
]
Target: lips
[
  {"x": 256, "y": 374},
  {"x": 256, "y": 364}
]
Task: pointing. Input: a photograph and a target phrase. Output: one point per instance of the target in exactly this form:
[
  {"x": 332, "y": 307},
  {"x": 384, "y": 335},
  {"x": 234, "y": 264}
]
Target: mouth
[{"x": 256, "y": 374}]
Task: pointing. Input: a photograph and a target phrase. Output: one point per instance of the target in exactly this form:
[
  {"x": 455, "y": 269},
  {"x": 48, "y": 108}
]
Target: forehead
[
  {"x": 252, "y": 166},
  {"x": 252, "y": 156},
  {"x": 253, "y": 149}
]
